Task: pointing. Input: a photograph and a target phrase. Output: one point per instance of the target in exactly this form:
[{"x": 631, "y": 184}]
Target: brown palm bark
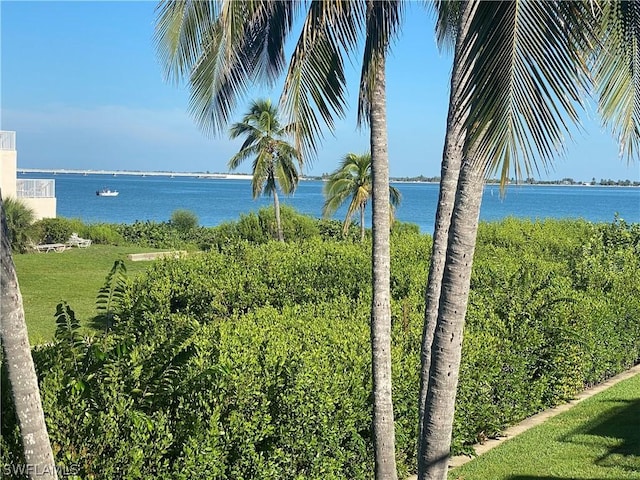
[
  {"x": 21, "y": 370},
  {"x": 362, "y": 222},
  {"x": 383, "y": 420},
  {"x": 447, "y": 342},
  {"x": 276, "y": 208}
]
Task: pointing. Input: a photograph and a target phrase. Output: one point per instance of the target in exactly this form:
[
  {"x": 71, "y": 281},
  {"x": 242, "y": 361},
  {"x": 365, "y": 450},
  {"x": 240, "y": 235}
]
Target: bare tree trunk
[
  {"x": 276, "y": 208},
  {"x": 450, "y": 170},
  {"x": 362, "y": 223},
  {"x": 447, "y": 342},
  {"x": 383, "y": 421},
  {"x": 22, "y": 374}
]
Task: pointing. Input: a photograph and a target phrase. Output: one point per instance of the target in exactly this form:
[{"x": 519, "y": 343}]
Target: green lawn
[
  {"x": 75, "y": 276},
  {"x": 597, "y": 439}
]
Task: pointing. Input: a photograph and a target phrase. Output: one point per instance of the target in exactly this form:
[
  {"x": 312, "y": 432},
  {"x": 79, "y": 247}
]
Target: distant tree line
[{"x": 529, "y": 181}]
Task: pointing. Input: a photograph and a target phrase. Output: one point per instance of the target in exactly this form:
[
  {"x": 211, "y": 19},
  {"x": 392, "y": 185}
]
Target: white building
[{"x": 39, "y": 195}]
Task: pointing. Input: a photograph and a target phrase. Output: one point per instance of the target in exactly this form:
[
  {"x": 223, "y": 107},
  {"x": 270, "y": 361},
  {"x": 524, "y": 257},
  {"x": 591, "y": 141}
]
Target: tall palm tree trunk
[
  {"x": 21, "y": 371},
  {"x": 383, "y": 422},
  {"x": 276, "y": 208},
  {"x": 362, "y": 207},
  {"x": 450, "y": 170},
  {"x": 447, "y": 342}
]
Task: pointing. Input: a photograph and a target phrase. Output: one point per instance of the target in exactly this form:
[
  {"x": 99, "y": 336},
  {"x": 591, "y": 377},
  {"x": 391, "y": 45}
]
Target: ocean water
[{"x": 216, "y": 200}]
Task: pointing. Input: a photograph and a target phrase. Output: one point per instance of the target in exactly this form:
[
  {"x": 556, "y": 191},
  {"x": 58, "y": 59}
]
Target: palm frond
[
  {"x": 395, "y": 197},
  {"x": 382, "y": 25},
  {"x": 181, "y": 27},
  {"x": 286, "y": 173},
  {"x": 242, "y": 155},
  {"x": 270, "y": 185},
  {"x": 617, "y": 73},
  {"x": 234, "y": 54},
  {"x": 447, "y": 15},
  {"x": 262, "y": 172},
  {"x": 314, "y": 86},
  {"x": 351, "y": 179},
  {"x": 218, "y": 80},
  {"x": 358, "y": 201},
  {"x": 525, "y": 76}
]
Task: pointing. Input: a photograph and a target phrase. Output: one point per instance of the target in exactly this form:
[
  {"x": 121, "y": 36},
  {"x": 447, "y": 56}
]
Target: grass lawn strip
[{"x": 595, "y": 436}]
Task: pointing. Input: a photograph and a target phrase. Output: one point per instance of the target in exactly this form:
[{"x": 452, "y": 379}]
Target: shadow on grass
[
  {"x": 619, "y": 425},
  {"x": 616, "y": 433},
  {"x": 533, "y": 477}
]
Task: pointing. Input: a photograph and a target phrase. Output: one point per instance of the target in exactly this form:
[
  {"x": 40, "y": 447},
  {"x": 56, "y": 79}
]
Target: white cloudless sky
[{"x": 81, "y": 84}]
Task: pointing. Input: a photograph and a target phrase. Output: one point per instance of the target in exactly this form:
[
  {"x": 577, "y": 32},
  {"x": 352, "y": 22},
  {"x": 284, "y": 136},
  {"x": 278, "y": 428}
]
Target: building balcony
[
  {"x": 35, "y": 188},
  {"x": 7, "y": 140}
]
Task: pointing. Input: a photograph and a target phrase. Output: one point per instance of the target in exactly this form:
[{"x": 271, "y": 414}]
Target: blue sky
[{"x": 82, "y": 86}]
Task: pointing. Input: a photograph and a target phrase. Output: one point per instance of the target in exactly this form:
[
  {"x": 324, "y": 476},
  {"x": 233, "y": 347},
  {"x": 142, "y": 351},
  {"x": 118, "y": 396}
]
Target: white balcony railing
[
  {"x": 32, "y": 188},
  {"x": 7, "y": 140}
]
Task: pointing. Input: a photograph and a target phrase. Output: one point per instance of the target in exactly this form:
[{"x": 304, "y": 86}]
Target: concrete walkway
[{"x": 539, "y": 418}]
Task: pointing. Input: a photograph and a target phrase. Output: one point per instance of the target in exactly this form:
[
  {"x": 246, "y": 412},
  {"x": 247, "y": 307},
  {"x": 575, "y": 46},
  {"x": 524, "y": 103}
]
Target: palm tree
[
  {"x": 20, "y": 368},
  {"x": 352, "y": 179},
  {"x": 273, "y": 164},
  {"x": 223, "y": 47},
  {"x": 520, "y": 73}
]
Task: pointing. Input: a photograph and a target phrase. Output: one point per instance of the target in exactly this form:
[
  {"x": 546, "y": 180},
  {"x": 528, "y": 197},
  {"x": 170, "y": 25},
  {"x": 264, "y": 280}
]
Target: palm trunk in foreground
[
  {"x": 362, "y": 223},
  {"x": 450, "y": 170},
  {"x": 21, "y": 371},
  {"x": 447, "y": 342},
  {"x": 276, "y": 208},
  {"x": 383, "y": 426}
]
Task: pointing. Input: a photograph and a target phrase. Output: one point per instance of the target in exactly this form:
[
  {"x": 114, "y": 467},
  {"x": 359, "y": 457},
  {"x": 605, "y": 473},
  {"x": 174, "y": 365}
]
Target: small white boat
[{"x": 107, "y": 192}]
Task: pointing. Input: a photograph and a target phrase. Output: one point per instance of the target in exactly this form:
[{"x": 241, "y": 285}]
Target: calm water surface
[{"x": 216, "y": 201}]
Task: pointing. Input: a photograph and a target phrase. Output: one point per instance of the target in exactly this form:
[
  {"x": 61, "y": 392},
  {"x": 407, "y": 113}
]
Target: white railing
[
  {"x": 7, "y": 140},
  {"x": 32, "y": 188}
]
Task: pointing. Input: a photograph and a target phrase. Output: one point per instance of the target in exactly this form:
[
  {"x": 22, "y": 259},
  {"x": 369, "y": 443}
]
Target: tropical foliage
[
  {"x": 274, "y": 159},
  {"x": 352, "y": 179},
  {"x": 184, "y": 220},
  {"x": 222, "y": 56},
  {"x": 253, "y": 361},
  {"x": 519, "y": 74},
  {"x": 20, "y": 218},
  {"x": 18, "y": 370}
]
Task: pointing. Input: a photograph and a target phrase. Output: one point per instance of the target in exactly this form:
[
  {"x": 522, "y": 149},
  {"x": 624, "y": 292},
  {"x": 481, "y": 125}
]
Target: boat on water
[{"x": 107, "y": 192}]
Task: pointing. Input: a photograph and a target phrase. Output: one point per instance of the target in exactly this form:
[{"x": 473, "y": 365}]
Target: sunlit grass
[
  {"x": 597, "y": 439},
  {"x": 74, "y": 276}
]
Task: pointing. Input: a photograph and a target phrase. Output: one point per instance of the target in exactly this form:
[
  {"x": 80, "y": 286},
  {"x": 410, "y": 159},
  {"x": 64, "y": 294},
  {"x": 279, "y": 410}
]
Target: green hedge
[{"x": 253, "y": 360}]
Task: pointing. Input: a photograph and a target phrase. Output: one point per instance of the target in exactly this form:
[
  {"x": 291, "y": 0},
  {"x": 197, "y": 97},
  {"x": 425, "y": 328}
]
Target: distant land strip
[
  {"x": 247, "y": 176},
  {"x": 115, "y": 173}
]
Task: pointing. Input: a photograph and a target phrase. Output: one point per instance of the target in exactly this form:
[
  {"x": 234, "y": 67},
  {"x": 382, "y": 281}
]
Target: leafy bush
[
  {"x": 150, "y": 234},
  {"x": 184, "y": 220},
  {"x": 58, "y": 230},
  {"x": 19, "y": 220},
  {"x": 102, "y": 233},
  {"x": 253, "y": 360}
]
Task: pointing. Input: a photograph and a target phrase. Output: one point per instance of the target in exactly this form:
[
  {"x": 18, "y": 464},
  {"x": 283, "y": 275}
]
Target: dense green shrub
[
  {"x": 19, "y": 219},
  {"x": 260, "y": 227},
  {"x": 184, "y": 220},
  {"x": 150, "y": 234},
  {"x": 58, "y": 230},
  {"x": 102, "y": 233},
  {"x": 245, "y": 276},
  {"x": 253, "y": 360},
  {"x": 330, "y": 229}
]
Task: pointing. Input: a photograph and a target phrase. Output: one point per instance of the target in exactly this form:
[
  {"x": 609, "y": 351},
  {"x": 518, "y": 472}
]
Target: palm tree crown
[
  {"x": 352, "y": 179},
  {"x": 274, "y": 163}
]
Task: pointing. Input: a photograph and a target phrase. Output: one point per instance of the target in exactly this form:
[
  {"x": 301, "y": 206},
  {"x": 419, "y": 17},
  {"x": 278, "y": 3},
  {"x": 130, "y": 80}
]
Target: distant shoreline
[
  {"x": 246, "y": 176},
  {"x": 138, "y": 173}
]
